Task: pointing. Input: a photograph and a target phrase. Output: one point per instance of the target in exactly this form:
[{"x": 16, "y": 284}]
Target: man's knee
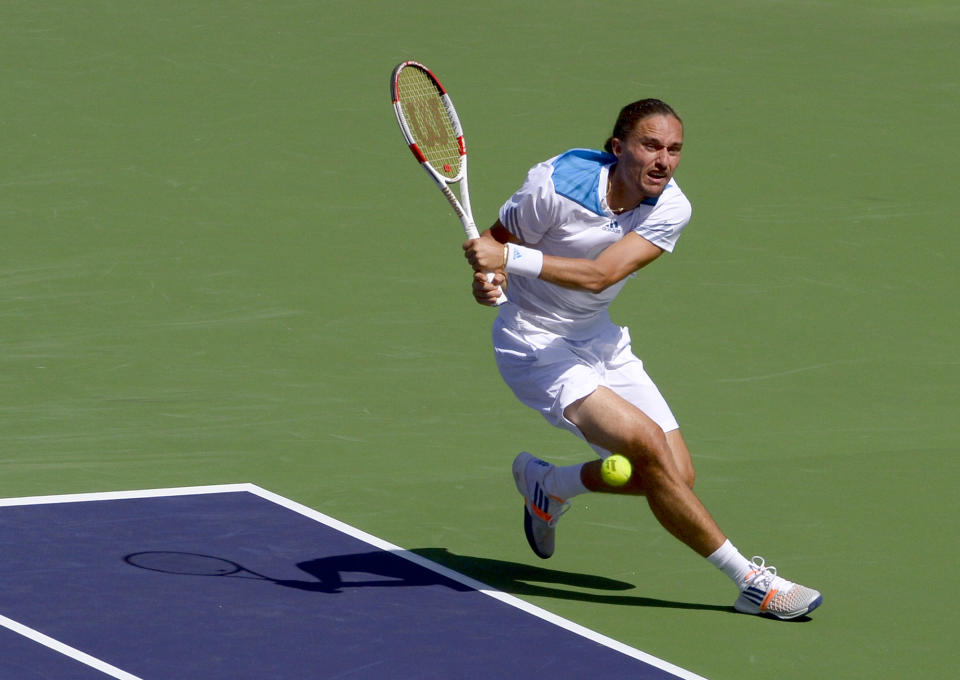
[
  {"x": 647, "y": 449},
  {"x": 652, "y": 458}
]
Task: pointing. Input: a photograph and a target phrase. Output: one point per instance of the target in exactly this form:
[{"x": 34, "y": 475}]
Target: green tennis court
[{"x": 220, "y": 265}]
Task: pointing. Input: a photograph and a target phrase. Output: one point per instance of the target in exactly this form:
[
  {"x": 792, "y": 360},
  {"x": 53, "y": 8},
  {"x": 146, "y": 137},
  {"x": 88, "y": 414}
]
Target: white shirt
[{"x": 561, "y": 209}]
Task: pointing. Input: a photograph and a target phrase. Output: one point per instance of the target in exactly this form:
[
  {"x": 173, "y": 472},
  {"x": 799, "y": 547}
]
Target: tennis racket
[{"x": 432, "y": 130}]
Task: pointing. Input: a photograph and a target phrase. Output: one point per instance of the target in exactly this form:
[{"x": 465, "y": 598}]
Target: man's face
[{"x": 649, "y": 156}]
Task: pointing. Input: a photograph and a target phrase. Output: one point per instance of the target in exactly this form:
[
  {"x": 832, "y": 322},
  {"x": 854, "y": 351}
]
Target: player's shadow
[
  {"x": 389, "y": 570},
  {"x": 528, "y": 580}
]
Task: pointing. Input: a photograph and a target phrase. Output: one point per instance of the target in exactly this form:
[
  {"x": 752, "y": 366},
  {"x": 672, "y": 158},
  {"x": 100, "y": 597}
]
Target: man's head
[
  {"x": 632, "y": 114},
  {"x": 647, "y": 140}
]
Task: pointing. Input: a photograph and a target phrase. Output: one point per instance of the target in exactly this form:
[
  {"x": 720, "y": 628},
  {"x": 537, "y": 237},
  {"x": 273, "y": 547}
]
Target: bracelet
[
  {"x": 523, "y": 261},
  {"x": 506, "y": 256}
]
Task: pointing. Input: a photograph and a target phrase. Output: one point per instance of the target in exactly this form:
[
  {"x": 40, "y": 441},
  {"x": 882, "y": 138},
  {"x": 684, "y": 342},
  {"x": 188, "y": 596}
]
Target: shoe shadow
[{"x": 527, "y": 580}]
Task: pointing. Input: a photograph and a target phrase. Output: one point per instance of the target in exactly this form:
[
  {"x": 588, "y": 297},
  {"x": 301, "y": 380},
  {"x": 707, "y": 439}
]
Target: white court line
[
  {"x": 66, "y": 650},
  {"x": 333, "y": 524},
  {"x": 122, "y": 495}
]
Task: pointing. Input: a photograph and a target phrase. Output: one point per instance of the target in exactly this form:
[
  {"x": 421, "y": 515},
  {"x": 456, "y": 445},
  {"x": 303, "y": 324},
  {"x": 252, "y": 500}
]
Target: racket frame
[{"x": 460, "y": 206}]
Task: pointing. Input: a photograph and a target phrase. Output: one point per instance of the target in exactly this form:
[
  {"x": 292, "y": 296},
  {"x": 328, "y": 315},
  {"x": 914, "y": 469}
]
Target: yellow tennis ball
[{"x": 616, "y": 470}]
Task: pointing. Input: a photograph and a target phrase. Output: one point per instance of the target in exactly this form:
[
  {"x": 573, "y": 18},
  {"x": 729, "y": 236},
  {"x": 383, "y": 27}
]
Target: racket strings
[{"x": 428, "y": 121}]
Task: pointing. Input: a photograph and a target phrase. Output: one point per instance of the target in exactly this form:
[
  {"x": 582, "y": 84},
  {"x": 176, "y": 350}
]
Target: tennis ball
[{"x": 616, "y": 470}]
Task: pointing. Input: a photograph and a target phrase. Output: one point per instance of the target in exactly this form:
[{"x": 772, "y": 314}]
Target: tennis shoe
[
  {"x": 763, "y": 592},
  {"x": 541, "y": 509}
]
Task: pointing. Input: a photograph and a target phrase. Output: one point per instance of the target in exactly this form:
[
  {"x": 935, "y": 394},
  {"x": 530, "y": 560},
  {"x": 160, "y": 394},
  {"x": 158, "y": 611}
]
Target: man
[{"x": 568, "y": 239}]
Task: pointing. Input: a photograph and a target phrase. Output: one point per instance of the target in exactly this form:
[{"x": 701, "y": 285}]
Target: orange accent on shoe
[
  {"x": 545, "y": 516},
  {"x": 766, "y": 600},
  {"x": 539, "y": 513}
]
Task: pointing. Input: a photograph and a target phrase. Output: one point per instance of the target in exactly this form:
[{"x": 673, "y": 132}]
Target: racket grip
[{"x": 503, "y": 297}]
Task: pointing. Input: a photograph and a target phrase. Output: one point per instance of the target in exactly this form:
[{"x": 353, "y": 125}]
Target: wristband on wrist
[
  {"x": 523, "y": 261},
  {"x": 506, "y": 256}
]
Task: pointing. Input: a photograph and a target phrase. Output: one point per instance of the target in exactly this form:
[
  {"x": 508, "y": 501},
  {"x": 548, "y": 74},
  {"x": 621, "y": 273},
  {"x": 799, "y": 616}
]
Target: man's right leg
[{"x": 608, "y": 421}]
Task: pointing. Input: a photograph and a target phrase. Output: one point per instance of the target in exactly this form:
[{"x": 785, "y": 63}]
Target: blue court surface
[{"x": 234, "y": 581}]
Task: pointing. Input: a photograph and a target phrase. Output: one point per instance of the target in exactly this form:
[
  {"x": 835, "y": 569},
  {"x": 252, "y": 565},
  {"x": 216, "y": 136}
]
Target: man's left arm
[{"x": 624, "y": 257}]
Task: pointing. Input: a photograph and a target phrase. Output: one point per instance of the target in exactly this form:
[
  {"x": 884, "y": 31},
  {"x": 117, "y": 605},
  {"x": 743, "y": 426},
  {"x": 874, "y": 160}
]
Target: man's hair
[{"x": 632, "y": 114}]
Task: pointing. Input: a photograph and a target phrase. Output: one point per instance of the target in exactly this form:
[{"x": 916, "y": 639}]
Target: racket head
[
  {"x": 185, "y": 563},
  {"x": 428, "y": 120}
]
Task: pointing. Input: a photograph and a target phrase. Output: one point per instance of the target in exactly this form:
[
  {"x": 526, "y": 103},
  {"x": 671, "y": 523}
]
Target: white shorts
[{"x": 548, "y": 372}]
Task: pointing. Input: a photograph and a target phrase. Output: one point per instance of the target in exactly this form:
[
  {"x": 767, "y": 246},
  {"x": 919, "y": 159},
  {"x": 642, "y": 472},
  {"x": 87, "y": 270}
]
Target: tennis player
[{"x": 580, "y": 225}]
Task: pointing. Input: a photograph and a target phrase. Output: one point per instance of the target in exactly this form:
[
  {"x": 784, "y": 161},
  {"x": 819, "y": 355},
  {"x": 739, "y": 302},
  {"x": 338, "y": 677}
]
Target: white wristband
[{"x": 523, "y": 261}]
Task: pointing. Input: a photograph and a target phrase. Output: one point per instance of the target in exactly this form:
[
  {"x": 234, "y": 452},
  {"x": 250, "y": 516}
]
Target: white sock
[
  {"x": 565, "y": 481},
  {"x": 728, "y": 559}
]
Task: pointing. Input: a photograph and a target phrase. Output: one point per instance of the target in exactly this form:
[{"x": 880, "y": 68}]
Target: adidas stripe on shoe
[{"x": 541, "y": 510}]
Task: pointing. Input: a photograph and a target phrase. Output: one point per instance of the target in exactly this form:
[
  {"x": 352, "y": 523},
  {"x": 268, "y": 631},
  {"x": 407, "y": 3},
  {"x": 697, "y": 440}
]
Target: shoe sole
[
  {"x": 520, "y": 479},
  {"x": 757, "y": 611},
  {"x": 528, "y": 532}
]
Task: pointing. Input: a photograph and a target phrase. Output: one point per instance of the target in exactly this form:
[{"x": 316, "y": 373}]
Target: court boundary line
[
  {"x": 66, "y": 650},
  {"x": 340, "y": 526}
]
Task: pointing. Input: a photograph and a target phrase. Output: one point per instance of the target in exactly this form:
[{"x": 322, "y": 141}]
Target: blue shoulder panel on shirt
[{"x": 576, "y": 174}]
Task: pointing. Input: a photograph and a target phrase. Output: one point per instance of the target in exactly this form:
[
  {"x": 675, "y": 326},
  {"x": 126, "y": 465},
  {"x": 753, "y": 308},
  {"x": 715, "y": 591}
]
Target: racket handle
[
  {"x": 470, "y": 228},
  {"x": 503, "y": 297}
]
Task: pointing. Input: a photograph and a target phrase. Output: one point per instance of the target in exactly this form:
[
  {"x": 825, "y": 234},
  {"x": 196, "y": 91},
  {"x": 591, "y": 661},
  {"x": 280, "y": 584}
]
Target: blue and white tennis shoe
[
  {"x": 541, "y": 509},
  {"x": 763, "y": 592}
]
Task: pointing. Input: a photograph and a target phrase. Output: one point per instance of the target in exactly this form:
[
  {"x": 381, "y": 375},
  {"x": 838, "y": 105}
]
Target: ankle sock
[
  {"x": 565, "y": 481},
  {"x": 728, "y": 559}
]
